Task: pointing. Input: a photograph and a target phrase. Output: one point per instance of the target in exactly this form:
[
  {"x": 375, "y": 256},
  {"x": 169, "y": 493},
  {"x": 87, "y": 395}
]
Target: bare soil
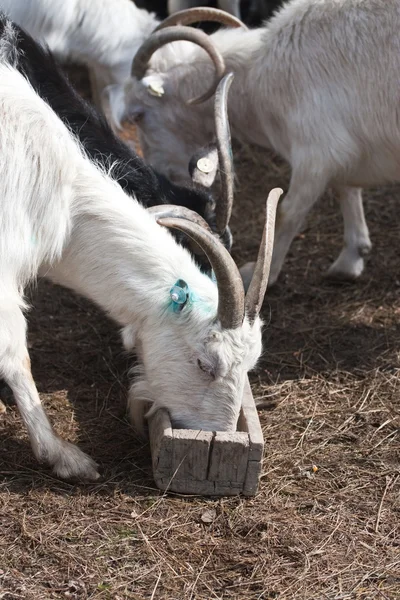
[{"x": 325, "y": 523}]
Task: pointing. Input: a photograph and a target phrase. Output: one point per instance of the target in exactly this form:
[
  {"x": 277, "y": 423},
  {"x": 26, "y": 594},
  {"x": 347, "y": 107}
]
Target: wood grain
[{"x": 205, "y": 462}]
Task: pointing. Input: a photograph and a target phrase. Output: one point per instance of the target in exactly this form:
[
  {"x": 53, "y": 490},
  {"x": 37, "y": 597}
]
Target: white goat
[
  {"x": 62, "y": 216},
  {"x": 318, "y": 83},
  {"x": 103, "y": 34}
]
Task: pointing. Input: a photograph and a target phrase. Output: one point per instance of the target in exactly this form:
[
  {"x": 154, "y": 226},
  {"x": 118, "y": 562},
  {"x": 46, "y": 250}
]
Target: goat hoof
[
  {"x": 72, "y": 463},
  {"x": 349, "y": 265},
  {"x": 364, "y": 250},
  {"x": 335, "y": 273}
]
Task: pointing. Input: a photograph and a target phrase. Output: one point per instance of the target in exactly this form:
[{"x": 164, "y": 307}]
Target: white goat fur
[
  {"x": 104, "y": 34},
  {"x": 318, "y": 84},
  {"x": 62, "y": 216}
]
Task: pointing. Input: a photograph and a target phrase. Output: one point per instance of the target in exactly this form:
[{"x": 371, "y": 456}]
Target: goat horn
[
  {"x": 224, "y": 145},
  {"x": 174, "y": 34},
  {"x": 258, "y": 285},
  {"x": 230, "y": 286},
  {"x": 201, "y": 13},
  {"x": 173, "y": 211}
]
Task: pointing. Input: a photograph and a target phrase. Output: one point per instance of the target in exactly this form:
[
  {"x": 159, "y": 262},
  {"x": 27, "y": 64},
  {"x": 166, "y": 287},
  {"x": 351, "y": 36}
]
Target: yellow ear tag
[
  {"x": 205, "y": 165},
  {"x": 156, "y": 89}
]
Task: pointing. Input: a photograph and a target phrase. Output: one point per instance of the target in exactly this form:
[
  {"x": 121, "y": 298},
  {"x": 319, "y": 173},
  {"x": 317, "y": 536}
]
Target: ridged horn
[
  {"x": 201, "y": 14},
  {"x": 258, "y": 285},
  {"x": 230, "y": 286},
  {"x": 160, "y": 38},
  {"x": 224, "y": 145},
  {"x": 173, "y": 211}
]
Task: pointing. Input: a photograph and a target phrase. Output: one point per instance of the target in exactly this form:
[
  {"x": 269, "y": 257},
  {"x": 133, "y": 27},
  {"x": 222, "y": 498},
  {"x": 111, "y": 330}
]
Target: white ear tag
[
  {"x": 156, "y": 89},
  {"x": 205, "y": 165}
]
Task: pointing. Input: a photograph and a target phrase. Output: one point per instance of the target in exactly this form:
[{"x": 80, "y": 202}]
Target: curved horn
[
  {"x": 201, "y": 13},
  {"x": 224, "y": 145},
  {"x": 259, "y": 281},
  {"x": 174, "y": 34},
  {"x": 173, "y": 211},
  {"x": 230, "y": 286}
]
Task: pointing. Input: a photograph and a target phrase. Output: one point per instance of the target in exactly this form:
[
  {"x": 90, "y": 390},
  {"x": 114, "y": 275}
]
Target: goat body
[
  {"x": 103, "y": 35},
  {"x": 318, "y": 84},
  {"x": 63, "y": 216},
  {"x": 139, "y": 180}
]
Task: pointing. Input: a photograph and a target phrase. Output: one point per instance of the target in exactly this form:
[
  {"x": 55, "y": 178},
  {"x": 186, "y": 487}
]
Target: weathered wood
[
  {"x": 229, "y": 457},
  {"x": 205, "y": 462},
  {"x": 252, "y": 479},
  {"x": 199, "y": 488},
  {"x": 190, "y": 453},
  {"x": 252, "y": 424},
  {"x": 161, "y": 438}
]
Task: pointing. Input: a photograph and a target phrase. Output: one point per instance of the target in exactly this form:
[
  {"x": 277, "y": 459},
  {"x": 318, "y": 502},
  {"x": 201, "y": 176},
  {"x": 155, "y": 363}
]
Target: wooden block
[
  {"x": 161, "y": 438},
  {"x": 249, "y": 422},
  {"x": 190, "y": 453},
  {"x": 206, "y": 462},
  {"x": 252, "y": 478},
  {"x": 229, "y": 457}
]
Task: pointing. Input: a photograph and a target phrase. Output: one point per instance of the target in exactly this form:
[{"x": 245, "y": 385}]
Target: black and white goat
[
  {"x": 137, "y": 178},
  {"x": 318, "y": 84},
  {"x": 62, "y": 215}
]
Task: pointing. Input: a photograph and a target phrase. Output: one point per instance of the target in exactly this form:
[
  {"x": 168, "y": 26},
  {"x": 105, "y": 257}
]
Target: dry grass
[{"x": 325, "y": 524}]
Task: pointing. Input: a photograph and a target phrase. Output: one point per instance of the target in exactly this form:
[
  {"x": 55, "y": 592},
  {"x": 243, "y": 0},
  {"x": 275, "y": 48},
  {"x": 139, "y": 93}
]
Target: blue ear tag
[{"x": 179, "y": 295}]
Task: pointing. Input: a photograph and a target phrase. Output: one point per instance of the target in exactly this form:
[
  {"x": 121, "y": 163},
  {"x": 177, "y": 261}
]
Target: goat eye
[{"x": 206, "y": 368}]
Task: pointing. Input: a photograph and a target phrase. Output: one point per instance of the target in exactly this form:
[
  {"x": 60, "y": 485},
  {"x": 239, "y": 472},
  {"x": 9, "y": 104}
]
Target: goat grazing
[
  {"x": 318, "y": 84},
  {"x": 102, "y": 146},
  {"x": 63, "y": 216}
]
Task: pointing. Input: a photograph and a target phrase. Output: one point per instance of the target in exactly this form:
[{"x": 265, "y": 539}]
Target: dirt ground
[{"x": 325, "y": 523}]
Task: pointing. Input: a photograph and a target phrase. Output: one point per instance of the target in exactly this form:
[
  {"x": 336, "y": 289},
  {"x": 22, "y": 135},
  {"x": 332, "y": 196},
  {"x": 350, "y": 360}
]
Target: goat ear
[
  {"x": 203, "y": 166},
  {"x": 113, "y": 104}
]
